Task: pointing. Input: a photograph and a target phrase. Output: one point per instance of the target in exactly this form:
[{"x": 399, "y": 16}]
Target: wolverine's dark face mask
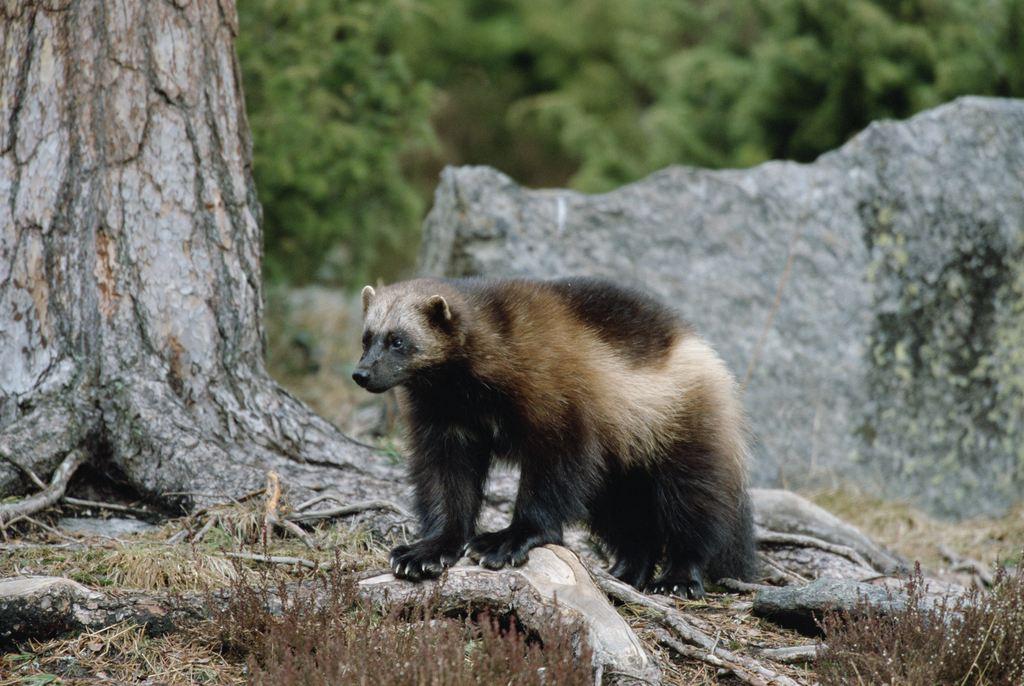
[
  {"x": 404, "y": 332},
  {"x": 387, "y": 360}
]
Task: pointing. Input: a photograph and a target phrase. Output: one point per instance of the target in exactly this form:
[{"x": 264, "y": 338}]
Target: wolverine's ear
[
  {"x": 438, "y": 311},
  {"x": 368, "y": 294}
]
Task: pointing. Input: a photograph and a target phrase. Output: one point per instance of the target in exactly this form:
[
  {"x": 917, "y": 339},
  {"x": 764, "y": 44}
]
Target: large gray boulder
[{"x": 871, "y": 302}]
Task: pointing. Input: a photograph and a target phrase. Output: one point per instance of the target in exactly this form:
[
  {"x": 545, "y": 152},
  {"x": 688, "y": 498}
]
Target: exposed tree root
[
  {"x": 355, "y": 508},
  {"x": 32, "y": 446},
  {"x": 49, "y": 496},
  {"x": 705, "y": 648},
  {"x": 799, "y": 540}
]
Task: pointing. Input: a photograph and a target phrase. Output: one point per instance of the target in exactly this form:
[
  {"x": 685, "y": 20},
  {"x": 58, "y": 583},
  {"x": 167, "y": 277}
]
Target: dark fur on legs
[
  {"x": 675, "y": 514},
  {"x": 623, "y": 516},
  {"x": 553, "y": 492}
]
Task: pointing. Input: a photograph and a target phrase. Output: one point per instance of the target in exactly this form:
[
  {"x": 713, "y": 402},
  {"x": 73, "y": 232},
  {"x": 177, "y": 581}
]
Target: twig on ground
[
  {"x": 741, "y": 586},
  {"x": 800, "y": 540},
  {"x": 983, "y": 576},
  {"x": 46, "y": 527},
  {"x": 282, "y": 560},
  {"x": 178, "y": 536},
  {"x": 786, "y": 574},
  {"x": 318, "y": 499},
  {"x": 704, "y": 656},
  {"x": 745, "y": 668},
  {"x": 792, "y": 654},
  {"x": 48, "y": 496},
  {"x": 24, "y": 470},
  {"x": 296, "y": 531},
  {"x": 210, "y": 521},
  {"x": 354, "y": 508},
  {"x": 113, "y": 507},
  {"x": 271, "y": 518}
]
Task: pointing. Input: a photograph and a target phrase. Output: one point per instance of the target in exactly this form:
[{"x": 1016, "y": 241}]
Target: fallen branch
[
  {"x": 49, "y": 496},
  {"x": 741, "y": 586},
  {"x": 281, "y": 560},
  {"x": 113, "y": 507},
  {"x": 45, "y": 607},
  {"x": 345, "y": 510},
  {"x": 271, "y": 518},
  {"x": 746, "y": 669},
  {"x": 205, "y": 529},
  {"x": 553, "y": 586},
  {"x": 792, "y": 654},
  {"x": 765, "y": 537},
  {"x": 49, "y": 529},
  {"x": 983, "y": 576},
  {"x": 801, "y": 607},
  {"x": 698, "y": 654}
]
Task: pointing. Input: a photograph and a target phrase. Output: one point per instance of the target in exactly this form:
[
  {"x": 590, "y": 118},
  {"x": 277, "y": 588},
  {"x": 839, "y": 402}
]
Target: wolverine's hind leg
[
  {"x": 695, "y": 513},
  {"x": 623, "y": 516}
]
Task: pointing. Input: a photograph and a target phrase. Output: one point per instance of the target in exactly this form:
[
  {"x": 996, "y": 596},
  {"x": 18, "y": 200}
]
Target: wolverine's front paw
[
  {"x": 424, "y": 559},
  {"x": 506, "y": 548}
]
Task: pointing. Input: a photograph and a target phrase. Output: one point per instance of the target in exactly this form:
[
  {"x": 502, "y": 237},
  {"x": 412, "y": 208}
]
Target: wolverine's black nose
[{"x": 360, "y": 377}]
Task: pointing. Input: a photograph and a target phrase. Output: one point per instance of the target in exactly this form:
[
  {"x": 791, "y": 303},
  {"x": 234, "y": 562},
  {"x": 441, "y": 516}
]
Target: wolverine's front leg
[
  {"x": 550, "y": 495},
  {"x": 448, "y": 470}
]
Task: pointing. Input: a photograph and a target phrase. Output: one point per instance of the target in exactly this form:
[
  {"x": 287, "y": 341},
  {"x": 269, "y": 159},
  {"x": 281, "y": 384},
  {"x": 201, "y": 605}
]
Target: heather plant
[
  {"x": 326, "y": 635},
  {"x": 973, "y": 639}
]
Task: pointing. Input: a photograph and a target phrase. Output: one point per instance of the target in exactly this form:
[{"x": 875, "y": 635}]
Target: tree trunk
[{"x": 130, "y": 247}]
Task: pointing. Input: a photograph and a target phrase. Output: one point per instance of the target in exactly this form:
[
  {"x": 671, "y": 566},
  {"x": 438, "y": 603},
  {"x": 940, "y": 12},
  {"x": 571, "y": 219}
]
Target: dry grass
[
  {"x": 121, "y": 654},
  {"x": 917, "y": 536},
  {"x": 102, "y": 563},
  {"x": 150, "y": 562}
]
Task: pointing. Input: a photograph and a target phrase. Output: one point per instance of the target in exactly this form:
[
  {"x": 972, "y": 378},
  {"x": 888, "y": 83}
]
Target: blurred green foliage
[
  {"x": 586, "y": 93},
  {"x": 333, "y": 107}
]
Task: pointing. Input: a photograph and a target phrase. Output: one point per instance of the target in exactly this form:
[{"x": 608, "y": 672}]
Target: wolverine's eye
[{"x": 397, "y": 343}]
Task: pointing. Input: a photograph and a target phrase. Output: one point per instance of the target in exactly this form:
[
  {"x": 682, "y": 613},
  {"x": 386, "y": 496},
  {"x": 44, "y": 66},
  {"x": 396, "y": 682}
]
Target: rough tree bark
[{"x": 130, "y": 247}]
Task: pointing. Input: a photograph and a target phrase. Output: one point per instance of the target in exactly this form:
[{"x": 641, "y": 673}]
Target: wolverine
[{"x": 617, "y": 413}]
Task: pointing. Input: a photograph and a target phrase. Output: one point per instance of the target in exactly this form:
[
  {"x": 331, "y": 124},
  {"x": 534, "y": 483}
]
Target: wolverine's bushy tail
[{"x": 738, "y": 557}]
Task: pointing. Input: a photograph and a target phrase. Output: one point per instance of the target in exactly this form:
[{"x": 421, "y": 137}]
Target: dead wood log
[
  {"x": 41, "y": 607},
  {"x": 552, "y": 586},
  {"x": 793, "y": 654},
  {"x": 802, "y": 607}
]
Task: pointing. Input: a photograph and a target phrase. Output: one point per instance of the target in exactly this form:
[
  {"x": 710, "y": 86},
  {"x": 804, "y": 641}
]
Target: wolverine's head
[{"x": 408, "y": 327}]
